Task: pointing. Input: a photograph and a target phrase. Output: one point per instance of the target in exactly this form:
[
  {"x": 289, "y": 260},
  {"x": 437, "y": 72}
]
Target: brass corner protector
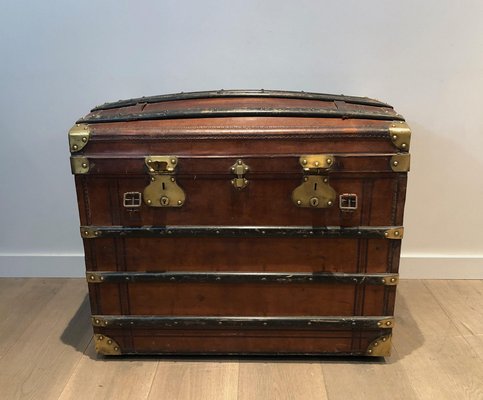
[
  {"x": 400, "y": 162},
  {"x": 400, "y": 134},
  {"x": 106, "y": 346},
  {"x": 89, "y": 232},
  {"x": 316, "y": 161},
  {"x": 79, "y": 135},
  {"x": 381, "y": 347},
  {"x": 394, "y": 233},
  {"x": 386, "y": 323},
  {"x": 94, "y": 277},
  {"x": 79, "y": 165},
  {"x": 99, "y": 321}
]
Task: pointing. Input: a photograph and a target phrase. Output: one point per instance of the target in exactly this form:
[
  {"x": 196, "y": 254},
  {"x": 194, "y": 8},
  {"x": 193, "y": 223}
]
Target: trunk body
[{"x": 242, "y": 222}]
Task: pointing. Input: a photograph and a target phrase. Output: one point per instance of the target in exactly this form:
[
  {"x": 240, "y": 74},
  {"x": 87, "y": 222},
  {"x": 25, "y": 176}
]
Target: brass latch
[
  {"x": 315, "y": 191},
  {"x": 163, "y": 191},
  {"x": 239, "y": 169}
]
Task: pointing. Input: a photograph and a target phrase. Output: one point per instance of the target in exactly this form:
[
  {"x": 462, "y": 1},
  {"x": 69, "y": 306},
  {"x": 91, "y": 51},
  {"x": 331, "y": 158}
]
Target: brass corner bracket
[
  {"x": 386, "y": 323},
  {"x": 94, "y": 277},
  {"x": 79, "y": 165},
  {"x": 394, "y": 233},
  {"x": 106, "y": 346},
  {"x": 98, "y": 321},
  {"x": 391, "y": 280},
  {"x": 381, "y": 347},
  {"x": 400, "y": 134},
  {"x": 400, "y": 162},
  {"x": 79, "y": 135},
  {"x": 89, "y": 232}
]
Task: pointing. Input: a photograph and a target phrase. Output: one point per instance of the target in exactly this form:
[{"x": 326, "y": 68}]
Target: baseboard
[{"x": 412, "y": 266}]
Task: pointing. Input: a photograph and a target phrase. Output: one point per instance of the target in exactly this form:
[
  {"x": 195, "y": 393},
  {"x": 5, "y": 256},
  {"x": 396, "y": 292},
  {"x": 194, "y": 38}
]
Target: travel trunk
[{"x": 242, "y": 222}]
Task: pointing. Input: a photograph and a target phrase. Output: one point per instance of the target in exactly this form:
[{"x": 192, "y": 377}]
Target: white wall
[{"x": 59, "y": 58}]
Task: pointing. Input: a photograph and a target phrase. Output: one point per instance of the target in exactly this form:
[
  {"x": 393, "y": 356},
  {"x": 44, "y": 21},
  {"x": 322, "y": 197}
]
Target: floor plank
[
  {"x": 98, "y": 377},
  {"x": 281, "y": 380},
  {"x": 38, "y": 365},
  {"x": 462, "y": 300},
  {"x": 187, "y": 379}
]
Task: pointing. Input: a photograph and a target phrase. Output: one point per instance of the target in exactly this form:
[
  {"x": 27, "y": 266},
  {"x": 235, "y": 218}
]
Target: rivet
[
  {"x": 149, "y": 160},
  {"x": 388, "y": 323},
  {"x": 173, "y": 161},
  {"x": 396, "y": 233},
  {"x": 317, "y": 163},
  {"x": 116, "y": 348},
  {"x": 309, "y": 323},
  {"x": 96, "y": 233},
  {"x": 239, "y": 162},
  {"x": 394, "y": 137},
  {"x": 172, "y": 179},
  {"x": 153, "y": 179},
  {"x": 220, "y": 322},
  {"x": 299, "y": 202},
  {"x": 384, "y": 339},
  {"x": 97, "y": 321},
  {"x": 92, "y": 277},
  {"x": 245, "y": 180},
  {"x": 86, "y": 233},
  {"x": 127, "y": 278},
  {"x": 395, "y": 163},
  {"x": 232, "y": 169},
  {"x": 403, "y": 145},
  {"x": 101, "y": 337},
  {"x": 109, "y": 341},
  {"x": 304, "y": 162},
  {"x": 306, "y": 179},
  {"x": 265, "y": 323},
  {"x": 326, "y": 180},
  {"x": 383, "y": 280},
  {"x": 84, "y": 139},
  {"x": 386, "y": 234},
  {"x": 148, "y": 201},
  {"x": 75, "y": 147},
  {"x": 393, "y": 280},
  {"x": 329, "y": 203},
  {"x": 329, "y": 161},
  {"x": 369, "y": 351},
  {"x": 84, "y": 165},
  {"x": 179, "y": 202},
  {"x": 379, "y": 323},
  {"x": 376, "y": 343}
]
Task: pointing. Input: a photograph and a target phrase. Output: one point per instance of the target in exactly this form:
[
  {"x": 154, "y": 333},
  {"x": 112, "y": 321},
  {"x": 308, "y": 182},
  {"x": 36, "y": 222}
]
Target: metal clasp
[{"x": 239, "y": 169}]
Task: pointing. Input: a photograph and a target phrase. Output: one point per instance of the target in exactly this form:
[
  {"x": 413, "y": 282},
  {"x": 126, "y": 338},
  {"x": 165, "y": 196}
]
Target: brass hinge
[
  {"x": 79, "y": 135},
  {"x": 106, "y": 345},
  {"x": 400, "y": 162},
  {"x": 79, "y": 165},
  {"x": 394, "y": 233},
  {"x": 400, "y": 134},
  {"x": 163, "y": 191},
  {"x": 381, "y": 347}
]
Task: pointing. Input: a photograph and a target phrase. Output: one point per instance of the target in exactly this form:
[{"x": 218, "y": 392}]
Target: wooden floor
[{"x": 46, "y": 352}]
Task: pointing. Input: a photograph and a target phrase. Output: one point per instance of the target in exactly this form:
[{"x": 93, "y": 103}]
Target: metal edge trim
[
  {"x": 401, "y": 162},
  {"x": 79, "y": 165},
  {"x": 400, "y": 135},
  {"x": 90, "y": 232},
  {"x": 381, "y": 347},
  {"x": 79, "y": 136},
  {"x": 385, "y": 279},
  {"x": 170, "y": 322},
  {"x": 242, "y": 93}
]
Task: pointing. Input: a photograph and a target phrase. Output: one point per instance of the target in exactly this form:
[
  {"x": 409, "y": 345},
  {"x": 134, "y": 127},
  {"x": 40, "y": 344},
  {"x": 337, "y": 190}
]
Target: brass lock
[
  {"x": 315, "y": 191},
  {"x": 163, "y": 191}
]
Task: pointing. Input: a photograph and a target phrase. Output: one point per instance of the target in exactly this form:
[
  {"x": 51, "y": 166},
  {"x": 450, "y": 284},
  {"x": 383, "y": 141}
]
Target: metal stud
[
  {"x": 317, "y": 163},
  {"x": 173, "y": 161},
  {"x": 299, "y": 202},
  {"x": 75, "y": 147},
  {"x": 148, "y": 201},
  {"x": 395, "y": 163},
  {"x": 304, "y": 162},
  {"x": 84, "y": 139},
  {"x": 384, "y": 339},
  {"x": 109, "y": 341},
  {"x": 403, "y": 145},
  {"x": 393, "y": 280},
  {"x": 396, "y": 233},
  {"x": 383, "y": 280},
  {"x": 394, "y": 137},
  {"x": 329, "y": 203},
  {"x": 388, "y": 323},
  {"x": 329, "y": 161},
  {"x": 180, "y": 202}
]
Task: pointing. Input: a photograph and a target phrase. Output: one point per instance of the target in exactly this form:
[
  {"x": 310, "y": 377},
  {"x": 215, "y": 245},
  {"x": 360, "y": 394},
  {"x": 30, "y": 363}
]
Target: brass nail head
[{"x": 75, "y": 147}]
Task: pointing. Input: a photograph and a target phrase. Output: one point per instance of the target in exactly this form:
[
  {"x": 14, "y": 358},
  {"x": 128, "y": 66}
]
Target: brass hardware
[
  {"x": 89, "y": 232},
  {"x": 400, "y": 162},
  {"x": 314, "y": 192},
  {"x": 317, "y": 161},
  {"x": 239, "y": 169},
  {"x": 163, "y": 191},
  {"x": 99, "y": 321},
  {"x": 392, "y": 280},
  {"x": 381, "y": 347},
  {"x": 400, "y": 134},
  {"x": 394, "y": 233},
  {"x": 79, "y": 165},
  {"x": 79, "y": 135},
  {"x": 94, "y": 277},
  {"x": 386, "y": 323},
  {"x": 106, "y": 345}
]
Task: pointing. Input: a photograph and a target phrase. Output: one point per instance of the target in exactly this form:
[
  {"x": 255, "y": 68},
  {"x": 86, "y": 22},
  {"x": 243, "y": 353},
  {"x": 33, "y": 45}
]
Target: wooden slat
[
  {"x": 202, "y": 379},
  {"x": 280, "y": 380},
  {"x": 44, "y": 355},
  {"x": 110, "y": 378}
]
